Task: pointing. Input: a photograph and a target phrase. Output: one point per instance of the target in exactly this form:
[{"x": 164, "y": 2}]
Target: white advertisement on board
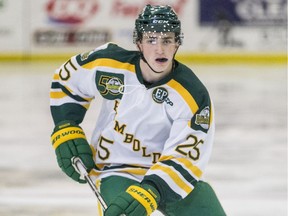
[
  {"x": 73, "y": 26},
  {"x": 11, "y": 26}
]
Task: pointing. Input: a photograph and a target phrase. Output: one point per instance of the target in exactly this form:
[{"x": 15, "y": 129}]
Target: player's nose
[{"x": 159, "y": 48}]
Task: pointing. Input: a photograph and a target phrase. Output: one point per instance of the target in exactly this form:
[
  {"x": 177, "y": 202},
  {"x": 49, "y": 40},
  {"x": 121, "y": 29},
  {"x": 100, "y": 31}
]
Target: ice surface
[{"x": 248, "y": 168}]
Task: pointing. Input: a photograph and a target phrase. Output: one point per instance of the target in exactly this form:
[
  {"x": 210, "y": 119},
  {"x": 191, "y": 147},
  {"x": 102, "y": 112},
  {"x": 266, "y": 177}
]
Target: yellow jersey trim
[
  {"x": 174, "y": 177},
  {"x": 185, "y": 95},
  {"x": 186, "y": 162},
  {"x": 110, "y": 63}
]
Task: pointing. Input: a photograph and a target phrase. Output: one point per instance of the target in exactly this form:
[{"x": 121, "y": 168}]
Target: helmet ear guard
[{"x": 157, "y": 19}]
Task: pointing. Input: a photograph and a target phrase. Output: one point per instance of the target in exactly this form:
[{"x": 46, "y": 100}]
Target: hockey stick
[{"x": 77, "y": 162}]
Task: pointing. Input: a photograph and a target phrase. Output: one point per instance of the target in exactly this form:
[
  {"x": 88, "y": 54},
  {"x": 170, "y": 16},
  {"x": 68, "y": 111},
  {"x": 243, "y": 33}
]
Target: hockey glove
[
  {"x": 68, "y": 140},
  {"x": 137, "y": 200}
]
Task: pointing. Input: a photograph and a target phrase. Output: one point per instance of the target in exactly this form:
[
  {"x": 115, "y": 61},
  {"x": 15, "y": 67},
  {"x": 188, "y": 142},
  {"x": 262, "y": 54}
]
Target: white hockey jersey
[{"x": 160, "y": 133}]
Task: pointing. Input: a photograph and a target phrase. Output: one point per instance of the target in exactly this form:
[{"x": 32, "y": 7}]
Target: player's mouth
[{"x": 161, "y": 60}]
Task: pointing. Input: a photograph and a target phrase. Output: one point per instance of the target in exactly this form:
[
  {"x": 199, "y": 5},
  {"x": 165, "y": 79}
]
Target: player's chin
[{"x": 159, "y": 68}]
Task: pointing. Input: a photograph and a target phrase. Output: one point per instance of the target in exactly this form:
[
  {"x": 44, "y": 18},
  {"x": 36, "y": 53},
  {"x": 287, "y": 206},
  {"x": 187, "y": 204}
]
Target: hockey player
[{"x": 154, "y": 134}]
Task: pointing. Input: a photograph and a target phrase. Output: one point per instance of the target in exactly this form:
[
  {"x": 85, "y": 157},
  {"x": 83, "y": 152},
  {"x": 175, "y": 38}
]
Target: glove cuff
[
  {"x": 64, "y": 124},
  {"x": 65, "y": 131},
  {"x": 146, "y": 197}
]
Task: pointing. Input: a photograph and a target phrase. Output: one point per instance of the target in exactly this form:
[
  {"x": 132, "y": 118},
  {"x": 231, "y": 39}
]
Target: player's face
[{"x": 159, "y": 50}]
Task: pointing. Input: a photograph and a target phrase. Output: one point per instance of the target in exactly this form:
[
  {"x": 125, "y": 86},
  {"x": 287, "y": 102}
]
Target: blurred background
[{"x": 238, "y": 48}]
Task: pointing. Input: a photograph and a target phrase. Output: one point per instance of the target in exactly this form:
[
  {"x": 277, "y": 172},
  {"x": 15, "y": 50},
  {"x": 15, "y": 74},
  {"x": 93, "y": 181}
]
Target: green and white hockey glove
[
  {"x": 69, "y": 140},
  {"x": 137, "y": 200}
]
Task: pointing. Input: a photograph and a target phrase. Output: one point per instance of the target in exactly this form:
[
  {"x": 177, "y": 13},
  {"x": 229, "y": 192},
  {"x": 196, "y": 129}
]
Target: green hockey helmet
[{"x": 157, "y": 19}]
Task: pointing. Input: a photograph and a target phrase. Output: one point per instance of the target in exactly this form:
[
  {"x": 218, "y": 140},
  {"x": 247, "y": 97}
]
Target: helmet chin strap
[{"x": 144, "y": 59}]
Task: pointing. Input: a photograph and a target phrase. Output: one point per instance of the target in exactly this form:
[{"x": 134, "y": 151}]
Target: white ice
[{"x": 248, "y": 168}]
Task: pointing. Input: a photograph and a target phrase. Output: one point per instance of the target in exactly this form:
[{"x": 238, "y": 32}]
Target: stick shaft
[{"x": 82, "y": 170}]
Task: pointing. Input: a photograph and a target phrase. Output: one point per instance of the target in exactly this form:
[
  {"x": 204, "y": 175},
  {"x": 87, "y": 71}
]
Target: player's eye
[
  {"x": 151, "y": 41},
  {"x": 167, "y": 41}
]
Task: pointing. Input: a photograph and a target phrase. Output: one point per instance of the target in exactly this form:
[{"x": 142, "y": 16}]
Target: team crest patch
[
  {"x": 160, "y": 95},
  {"x": 110, "y": 85},
  {"x": 203, "y": 118}
]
